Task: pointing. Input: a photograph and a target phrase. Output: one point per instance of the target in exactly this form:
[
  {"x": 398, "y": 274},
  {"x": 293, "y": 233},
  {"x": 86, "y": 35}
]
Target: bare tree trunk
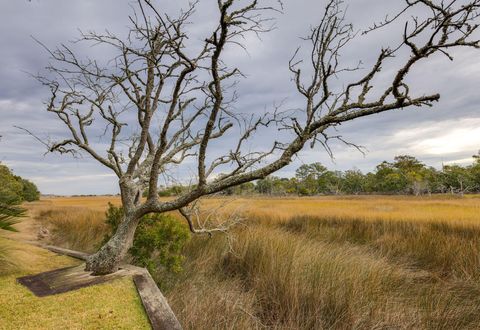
[{"x": 110, "y": 255}]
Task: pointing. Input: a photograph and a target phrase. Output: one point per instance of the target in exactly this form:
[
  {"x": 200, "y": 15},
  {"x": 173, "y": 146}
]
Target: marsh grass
[
  {"x": 439, "y": 247},
  {"x": 299, "y": 283},
  {"x": 75, "y": 228},
  {"x": 300, "y": 265}
]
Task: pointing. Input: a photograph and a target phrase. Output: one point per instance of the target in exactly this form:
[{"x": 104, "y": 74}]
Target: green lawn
[{"x": 115, "y": 305}]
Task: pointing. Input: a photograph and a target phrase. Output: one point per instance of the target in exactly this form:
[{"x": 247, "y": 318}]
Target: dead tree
[{"x": 161, "y": 102}]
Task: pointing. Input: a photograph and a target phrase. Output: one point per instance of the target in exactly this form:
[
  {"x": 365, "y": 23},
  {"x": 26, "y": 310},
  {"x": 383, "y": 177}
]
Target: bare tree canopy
[{"x": 162, "y": 102}]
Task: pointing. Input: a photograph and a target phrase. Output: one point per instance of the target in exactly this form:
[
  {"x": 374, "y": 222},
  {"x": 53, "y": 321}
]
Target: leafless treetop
[{"x": 161, "y": 103}]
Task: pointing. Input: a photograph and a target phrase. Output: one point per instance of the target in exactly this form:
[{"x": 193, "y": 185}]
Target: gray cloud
[{"x": 443, "y": 134}]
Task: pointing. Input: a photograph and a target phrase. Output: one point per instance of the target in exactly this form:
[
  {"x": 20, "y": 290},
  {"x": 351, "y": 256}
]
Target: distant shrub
[
  {"x": 30, "y": 191},
  {"x": 171, "y": 191},
  {"x": 14, "y": 189},
  {"x": 10, "y": 187},
  {"x": 168, "y": 191}
]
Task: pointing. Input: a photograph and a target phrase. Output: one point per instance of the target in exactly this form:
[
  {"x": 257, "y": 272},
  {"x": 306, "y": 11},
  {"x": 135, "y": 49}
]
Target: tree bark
[{"x": 111, "y": 255}]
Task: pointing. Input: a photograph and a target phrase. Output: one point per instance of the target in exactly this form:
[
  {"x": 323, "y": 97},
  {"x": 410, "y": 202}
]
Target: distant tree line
[{"x": 406, "y": 175}]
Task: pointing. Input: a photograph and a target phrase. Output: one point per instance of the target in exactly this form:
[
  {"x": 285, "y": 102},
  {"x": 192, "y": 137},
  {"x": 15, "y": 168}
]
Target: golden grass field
[
  {"x": 464, "y": 210},
  {"x": 368, "y": 262}
]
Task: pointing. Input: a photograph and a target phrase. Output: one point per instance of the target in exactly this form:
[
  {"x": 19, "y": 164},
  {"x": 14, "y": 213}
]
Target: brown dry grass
[
  {"x": 72, "y": 227},
  {"x": 318, "y": 263}
]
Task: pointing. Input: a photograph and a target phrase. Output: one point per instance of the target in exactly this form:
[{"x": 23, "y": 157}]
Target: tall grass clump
[
  {"x": 267, "y": 278},
  {"x": 74, "y": 228},
  {"x": 443, "y": 248},
  {"x": 307, "y": 285}
]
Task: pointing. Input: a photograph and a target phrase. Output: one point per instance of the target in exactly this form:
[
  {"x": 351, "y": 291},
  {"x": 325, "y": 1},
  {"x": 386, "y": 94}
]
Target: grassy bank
[
  {"x": 326, "y": 263},
  {"x": 114, "y": 305}
]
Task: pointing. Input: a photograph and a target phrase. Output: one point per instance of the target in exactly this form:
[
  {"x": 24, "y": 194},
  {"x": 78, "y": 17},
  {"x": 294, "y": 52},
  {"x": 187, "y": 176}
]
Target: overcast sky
[{"x": 448, "y": 132}]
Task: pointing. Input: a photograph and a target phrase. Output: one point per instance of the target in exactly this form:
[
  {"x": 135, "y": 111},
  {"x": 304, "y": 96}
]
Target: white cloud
[
  {"x": 464, "y": 161},
  {"x": 67, "y": 179},
  {"x": 459, "y": 140},
  {"x": 443, "y": 138}
]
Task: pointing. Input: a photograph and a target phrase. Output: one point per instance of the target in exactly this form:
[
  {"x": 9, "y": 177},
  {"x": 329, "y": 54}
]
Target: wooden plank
[
  {"x": 65, "y": 279},
  {"x": 158, "y": 310},
  {"x": 67, "y": 252},
  {"x": 59, "y": 250}
]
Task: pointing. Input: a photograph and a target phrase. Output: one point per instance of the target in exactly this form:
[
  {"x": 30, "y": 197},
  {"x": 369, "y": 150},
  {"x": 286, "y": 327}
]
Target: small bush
[{"x": 158, "y": 241}]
